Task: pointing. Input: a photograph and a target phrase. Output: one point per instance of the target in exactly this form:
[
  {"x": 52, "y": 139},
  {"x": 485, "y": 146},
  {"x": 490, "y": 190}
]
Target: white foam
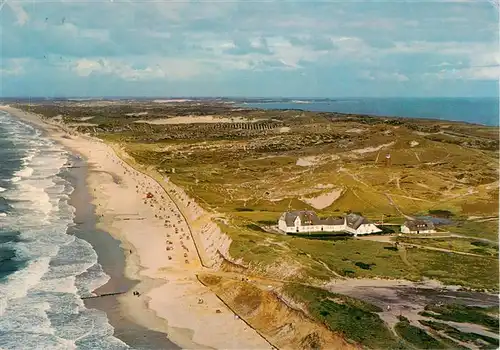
[
  {"x": 25, "y": 172},
  {"x": 2, "y": 189},
  {"x": 21, "y": 281},
  {"x": 40, "y": 305}
]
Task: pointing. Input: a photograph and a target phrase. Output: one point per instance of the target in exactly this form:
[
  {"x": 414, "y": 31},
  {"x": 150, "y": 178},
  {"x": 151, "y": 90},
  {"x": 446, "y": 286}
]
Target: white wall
[
  {"x": 363, "y": 229},
  {"x": 310, "y": 228},
  {"x": 405, "y": 229},
  {"x": 333, "y": 228},
  {"x": 282, "y": 225}
]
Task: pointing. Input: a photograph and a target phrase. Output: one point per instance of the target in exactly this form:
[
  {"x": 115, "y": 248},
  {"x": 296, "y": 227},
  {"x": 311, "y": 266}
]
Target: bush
[
  {"x": 243, "y": 209},
  {"x": 255, "y": 228},
  {"x": 440, "y": 213},
  {"x": 364, "y": 266}
]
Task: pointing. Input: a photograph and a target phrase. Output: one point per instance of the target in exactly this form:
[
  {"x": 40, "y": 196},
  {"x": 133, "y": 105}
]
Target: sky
[{"x": 249, "y": 48}]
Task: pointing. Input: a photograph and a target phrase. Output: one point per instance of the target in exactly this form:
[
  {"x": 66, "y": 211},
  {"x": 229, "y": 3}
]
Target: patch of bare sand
[
  {"x": 137, "y": 114},
  {"x": 197, "y": 119},
  {"x": 372, "y": 149},
  {"x": 84, "y": 119},
  {"x": 355, "y": 130},
  {"x": 81, "y": 124},
  {"x": 307, "y": 161},
  {"x": 406, "y": 298},
  {"x": 324, "y": 200}
]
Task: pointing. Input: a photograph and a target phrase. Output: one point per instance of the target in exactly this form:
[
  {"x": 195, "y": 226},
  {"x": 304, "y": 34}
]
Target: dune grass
[
  {"x": 355, "y": 319},
  {"x": 416, "y": 336},
  {"x": 469, "y": 337},
  {"x": 464, "y": 314}
]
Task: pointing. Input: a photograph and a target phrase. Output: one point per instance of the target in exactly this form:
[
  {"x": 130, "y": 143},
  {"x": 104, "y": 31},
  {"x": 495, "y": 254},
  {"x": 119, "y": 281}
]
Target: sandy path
[{"x": 169, "y": 288}]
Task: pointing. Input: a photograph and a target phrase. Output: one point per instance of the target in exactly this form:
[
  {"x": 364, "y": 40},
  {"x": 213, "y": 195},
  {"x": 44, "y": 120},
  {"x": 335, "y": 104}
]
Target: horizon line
[{"x": 241, "y": 97}]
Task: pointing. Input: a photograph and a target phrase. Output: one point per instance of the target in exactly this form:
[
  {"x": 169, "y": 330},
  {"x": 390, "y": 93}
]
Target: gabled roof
[
  {"x": 355, "y": 220},
  {"x": 415, "y": 225},
  {"x": 307, "y": 217},
  {"x": 333, "y": 221}
]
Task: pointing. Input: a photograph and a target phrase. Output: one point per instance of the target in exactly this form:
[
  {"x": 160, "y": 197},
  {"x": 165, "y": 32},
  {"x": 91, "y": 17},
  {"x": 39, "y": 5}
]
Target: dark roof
[
  {"x": 333, "y": 221},
  {"x": 308, "y": 217},
  {"x": 355, "y": 220},
  {"x": 415, "y": 225}
]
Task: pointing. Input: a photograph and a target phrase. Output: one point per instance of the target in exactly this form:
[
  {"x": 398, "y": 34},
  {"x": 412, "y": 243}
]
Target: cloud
[
  {"x": 170, "y": 69},
  {"x": 491, "y": 73},
  {"x": 368, "y": 45},
  {"x": 21, "y": 15},
  {"x": 13, "y": 67},
  {"x": 383, "y": 76}
]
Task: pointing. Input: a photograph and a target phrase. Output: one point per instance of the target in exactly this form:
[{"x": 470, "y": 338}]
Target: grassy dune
[{"x": 251, "y": 172}]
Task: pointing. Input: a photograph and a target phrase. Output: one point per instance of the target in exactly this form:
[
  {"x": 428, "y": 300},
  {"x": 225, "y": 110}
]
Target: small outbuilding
[{"x": 418, "y": 226}]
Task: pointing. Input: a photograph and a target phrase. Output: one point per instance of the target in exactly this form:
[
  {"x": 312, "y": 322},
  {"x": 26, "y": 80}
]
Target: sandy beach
[{"x": 160, "y": 247}]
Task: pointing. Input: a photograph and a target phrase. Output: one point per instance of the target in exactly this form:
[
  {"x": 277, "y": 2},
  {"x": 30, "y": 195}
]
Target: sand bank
[
  {"x": 324, "y": 200},
  {"x": 147, "y": 227}
]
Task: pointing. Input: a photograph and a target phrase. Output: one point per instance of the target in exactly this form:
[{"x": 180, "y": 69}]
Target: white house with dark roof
[
  {"x": 418, "y": 226},
  {"x": 304, "y": 221}
]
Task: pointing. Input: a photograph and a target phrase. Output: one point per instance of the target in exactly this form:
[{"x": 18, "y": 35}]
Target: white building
[
  {"x": 418, "y": 226},
  {"x": 304, "y": 221}
]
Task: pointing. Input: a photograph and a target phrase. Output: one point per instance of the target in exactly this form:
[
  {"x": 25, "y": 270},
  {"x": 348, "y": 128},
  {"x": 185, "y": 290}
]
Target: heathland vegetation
[{"x": 246, "y": 167}]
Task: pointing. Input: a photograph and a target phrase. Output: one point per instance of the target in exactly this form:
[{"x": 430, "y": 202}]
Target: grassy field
[
  {"x": 251, "y": 172},
  {"x": 473, "y": 228},
  {"x": 470, "y": 271},
  {"x": 465, "y": 245}
]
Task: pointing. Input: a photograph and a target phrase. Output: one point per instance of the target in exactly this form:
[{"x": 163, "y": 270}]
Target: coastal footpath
[{"x": 171, "y": 299}]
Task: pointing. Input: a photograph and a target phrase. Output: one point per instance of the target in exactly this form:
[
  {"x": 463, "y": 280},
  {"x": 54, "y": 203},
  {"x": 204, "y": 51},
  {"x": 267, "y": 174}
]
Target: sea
[
  {"x": 44, "y": 269},
  {"x": 484, "y": 111}
]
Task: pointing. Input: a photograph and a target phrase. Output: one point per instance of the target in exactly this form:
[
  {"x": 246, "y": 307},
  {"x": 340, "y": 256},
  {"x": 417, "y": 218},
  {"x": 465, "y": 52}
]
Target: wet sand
[{"x": 112, "y": 259}]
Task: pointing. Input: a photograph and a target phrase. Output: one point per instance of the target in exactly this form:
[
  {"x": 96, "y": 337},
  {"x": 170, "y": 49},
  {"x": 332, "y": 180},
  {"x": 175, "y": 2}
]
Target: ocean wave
[
  {"x": 40, "y": 303},
  {"x": 2, "y": 189}
]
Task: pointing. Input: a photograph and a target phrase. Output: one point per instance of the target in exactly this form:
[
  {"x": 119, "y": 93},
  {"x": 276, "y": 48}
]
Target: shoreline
[
  {"x": 169, "y": 289},
  {"x": 111, "y": 257}
]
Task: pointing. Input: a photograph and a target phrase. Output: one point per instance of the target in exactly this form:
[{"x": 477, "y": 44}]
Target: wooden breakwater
[{"x": 103, "y": 295}]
